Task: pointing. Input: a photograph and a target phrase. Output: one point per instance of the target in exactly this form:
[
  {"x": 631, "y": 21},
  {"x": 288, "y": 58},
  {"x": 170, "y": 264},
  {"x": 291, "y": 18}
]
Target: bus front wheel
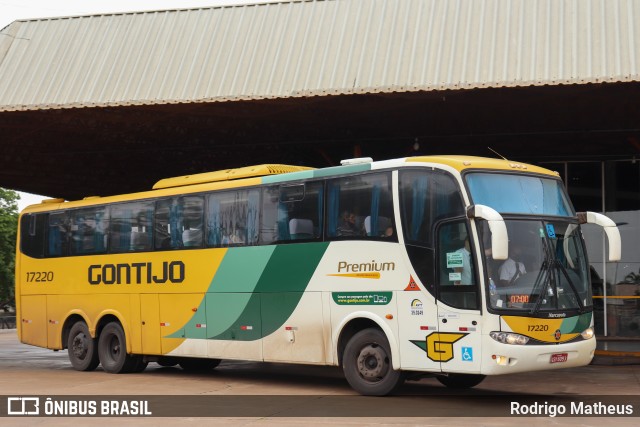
[
  {"x": 461, "y": 381},
  {"x": 82, "y": 348},
  {"x": 112, "y": 350},
  {"x": 367, "y": 364}
]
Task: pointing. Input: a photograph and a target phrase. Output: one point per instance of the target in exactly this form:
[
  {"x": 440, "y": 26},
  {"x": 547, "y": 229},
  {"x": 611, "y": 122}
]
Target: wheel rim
[
  {"x": 114, "y": 348},
  {"x": 373, "y": 363},
  {"x": 80, "y": 346}
]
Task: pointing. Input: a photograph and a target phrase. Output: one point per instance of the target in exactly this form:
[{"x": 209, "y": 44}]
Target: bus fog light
[
  {"x": 588, "y": 333},
  {"x": 509, "y": 338},
  {"x": 501, "y": 360}
]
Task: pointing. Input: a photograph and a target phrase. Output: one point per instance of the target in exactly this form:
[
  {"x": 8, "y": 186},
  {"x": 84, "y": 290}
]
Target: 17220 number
[{"x": 39, "y": 276}]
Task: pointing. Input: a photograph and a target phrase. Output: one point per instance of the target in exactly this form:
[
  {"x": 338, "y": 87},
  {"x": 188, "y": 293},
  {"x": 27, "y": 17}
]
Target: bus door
[
  {"x": 457, "y": 343},
  {"x": 150, "y": 324}
]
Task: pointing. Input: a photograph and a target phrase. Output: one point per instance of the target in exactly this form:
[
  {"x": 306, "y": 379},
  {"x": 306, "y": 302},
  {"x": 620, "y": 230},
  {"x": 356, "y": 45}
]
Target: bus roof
[
  {"x": 228, "y": 174},
  {"x": 461, "y": 163},
  {"x": 278, "y": 173}
]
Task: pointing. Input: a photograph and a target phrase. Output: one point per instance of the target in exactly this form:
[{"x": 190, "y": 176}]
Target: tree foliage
[{"x": 8, "y": 229}]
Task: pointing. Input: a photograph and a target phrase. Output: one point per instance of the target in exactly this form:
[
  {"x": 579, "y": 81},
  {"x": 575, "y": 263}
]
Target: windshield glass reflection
[{"x": 546, "y": 269}]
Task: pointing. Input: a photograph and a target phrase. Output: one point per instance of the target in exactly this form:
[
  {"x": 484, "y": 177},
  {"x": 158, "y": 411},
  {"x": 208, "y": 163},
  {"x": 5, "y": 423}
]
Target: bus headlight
[
  {"x": 588, "y": 333},
  {"x": 509, "y": 338}
]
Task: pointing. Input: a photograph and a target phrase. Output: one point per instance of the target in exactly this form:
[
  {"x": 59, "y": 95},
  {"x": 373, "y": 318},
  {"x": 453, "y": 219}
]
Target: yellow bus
[{"x": 447, "y": 266}]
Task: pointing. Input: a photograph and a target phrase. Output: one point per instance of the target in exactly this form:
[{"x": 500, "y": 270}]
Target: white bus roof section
[{"x": 314, "y": 48}]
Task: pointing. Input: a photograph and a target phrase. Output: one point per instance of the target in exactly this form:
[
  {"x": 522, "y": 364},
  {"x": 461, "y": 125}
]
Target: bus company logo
[
  {"x": 363, "y": 270},
  {"x": 416, "y": 308},
  {"x": 556, "y": 315},
  {"x": 23, "y": 406},
  {"x": 137, "y": 272},
  {"x": 439, "y": 345}
]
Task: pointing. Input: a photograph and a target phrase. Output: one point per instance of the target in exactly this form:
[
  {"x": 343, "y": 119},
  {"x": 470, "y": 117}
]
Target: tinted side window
[
  {"x": 232, "y": 218},
  {"x": 191, "y": 229},
  {"x": 131, "y": 227},
  {"x": 58, "y": 234},
  {"x": 179, "y": 222},
  {"x": 427, "y": 197},
  {"x": 291, "y": 212},
  {"x": 32, "y": 233},
  {"x": 360, "y": 207},
  {"x": 89, "y": 229}
]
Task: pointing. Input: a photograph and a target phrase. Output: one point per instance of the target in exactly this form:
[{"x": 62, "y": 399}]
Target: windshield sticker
[
  {"x": 551, "y": 232},
  {"x": 454, "y": 260},
  {"x": 455, "y": 277}
]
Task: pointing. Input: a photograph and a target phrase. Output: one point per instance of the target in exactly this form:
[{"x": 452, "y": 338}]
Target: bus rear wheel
[
  {"x": 112, "y": 350},
  {"x": 367, "y": 364},
  {"x": 461, "y": 381},
  {"x": 82, "y": 348}
]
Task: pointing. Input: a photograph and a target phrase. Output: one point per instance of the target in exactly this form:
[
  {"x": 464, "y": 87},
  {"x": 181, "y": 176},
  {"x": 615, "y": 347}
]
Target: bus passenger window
[
  {"x": 232, "y": 218},
  {"x": 32, "y": 233},
  {"x": 191, "y": 221},
  {"x": 165, "y": 236},
  {"x": 89, "y": 230},
  {"x": 291, "y": 212},
  {"x": 58, "y": 234},
  {"x": 427, "y": 198},
  {"x": 131, "y": 227},
  {"x": 360, "y": 207},
  {"x": 179, "y": 222}
]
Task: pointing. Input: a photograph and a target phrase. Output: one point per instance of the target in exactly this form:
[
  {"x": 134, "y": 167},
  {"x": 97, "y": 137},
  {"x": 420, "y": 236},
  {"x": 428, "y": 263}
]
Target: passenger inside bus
[{"x": 347, "y": 226}]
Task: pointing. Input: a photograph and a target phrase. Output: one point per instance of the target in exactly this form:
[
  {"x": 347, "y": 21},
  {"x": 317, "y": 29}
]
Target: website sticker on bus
[{"x": 357, "y": 298}]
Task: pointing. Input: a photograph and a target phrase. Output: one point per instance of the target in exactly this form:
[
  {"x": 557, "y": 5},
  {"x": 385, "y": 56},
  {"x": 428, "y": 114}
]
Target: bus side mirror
[
  {"x": 613, "y": 234},
  {"x": 499, "y": 235}
]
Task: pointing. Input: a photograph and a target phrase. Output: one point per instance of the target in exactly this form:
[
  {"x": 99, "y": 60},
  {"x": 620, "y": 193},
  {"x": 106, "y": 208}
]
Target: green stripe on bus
[
  {"x": 316, "y": 173},
  {"x": 260, "y": 306},
  {"x": 576, "y": 324},
  {"x": 241, "y": 269}
]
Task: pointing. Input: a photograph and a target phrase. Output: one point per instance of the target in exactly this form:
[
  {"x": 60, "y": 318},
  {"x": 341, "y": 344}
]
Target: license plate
[{"x": 559, "y": 357}]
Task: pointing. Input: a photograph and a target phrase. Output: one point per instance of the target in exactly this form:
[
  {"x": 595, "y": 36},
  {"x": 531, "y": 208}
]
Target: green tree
[{"x": 8, "y": 228}]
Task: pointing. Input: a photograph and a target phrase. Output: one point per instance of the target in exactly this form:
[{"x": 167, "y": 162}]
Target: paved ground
[{"x": 249, "y": 394}]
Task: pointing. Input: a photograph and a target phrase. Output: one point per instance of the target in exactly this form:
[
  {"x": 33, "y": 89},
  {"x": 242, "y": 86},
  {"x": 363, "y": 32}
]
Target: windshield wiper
[
  {"x": 565, "y": 273},
  {"x": 545, "y": 276}
]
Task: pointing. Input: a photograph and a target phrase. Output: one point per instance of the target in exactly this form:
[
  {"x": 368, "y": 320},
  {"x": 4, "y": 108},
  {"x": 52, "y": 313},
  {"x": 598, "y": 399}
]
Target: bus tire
[
  {"x": 82, "y": 348},
  {"x": 367, "y": 364},
  {"x": 461, "y": 381},
  {"x": 140, "y": 364},
  {"x": 191, "y": 364},
  {"x": 112, "y": 350}
]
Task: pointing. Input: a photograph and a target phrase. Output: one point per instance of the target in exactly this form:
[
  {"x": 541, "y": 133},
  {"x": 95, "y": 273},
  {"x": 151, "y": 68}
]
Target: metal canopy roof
[
  {"x": 108, "y": 104},
  {"x": 314, "y": 48}
]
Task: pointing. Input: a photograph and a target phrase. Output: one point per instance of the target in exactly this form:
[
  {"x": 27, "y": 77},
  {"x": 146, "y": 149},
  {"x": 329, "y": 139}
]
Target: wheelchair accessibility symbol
[{"x": 467, "y": 354}]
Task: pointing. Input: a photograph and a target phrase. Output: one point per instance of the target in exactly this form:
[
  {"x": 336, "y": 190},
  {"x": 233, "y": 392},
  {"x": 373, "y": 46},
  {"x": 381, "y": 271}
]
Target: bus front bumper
[{"x": 507, "y": 359}]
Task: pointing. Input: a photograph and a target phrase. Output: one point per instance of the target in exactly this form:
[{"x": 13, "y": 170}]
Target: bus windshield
[
  {"x": 519, "y": 194},
  {"x": 546, "y": 269}
]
